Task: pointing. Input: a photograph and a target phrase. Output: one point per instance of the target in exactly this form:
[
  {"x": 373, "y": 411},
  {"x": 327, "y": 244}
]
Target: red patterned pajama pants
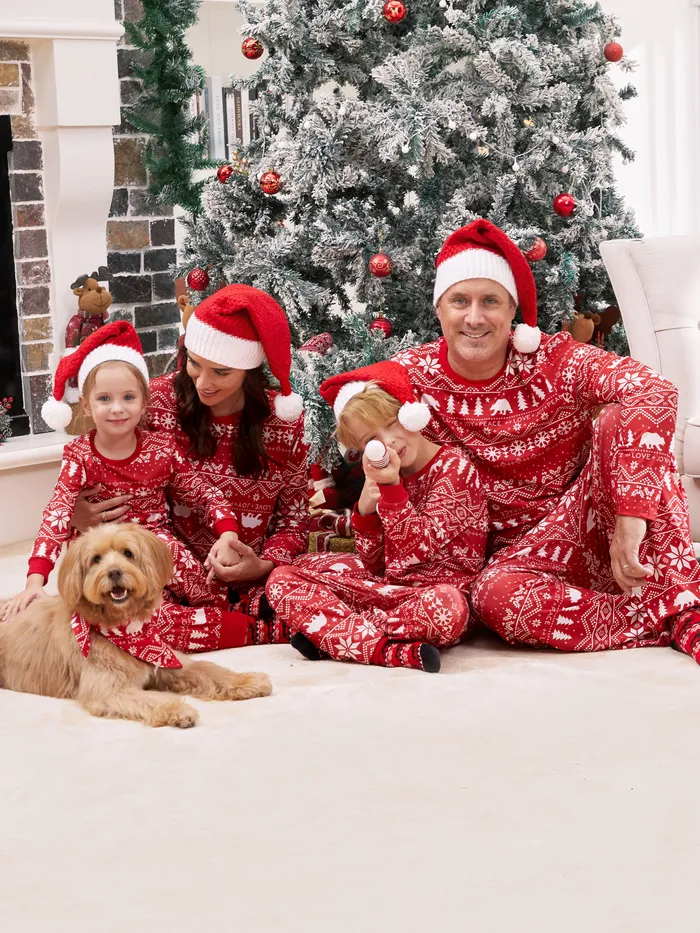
[
  {"x": 555, "y": 586},
  {"x": 189, "y": 580},
  {"x": 212, "y": 627},
  {"x": 350, "y": 616}
]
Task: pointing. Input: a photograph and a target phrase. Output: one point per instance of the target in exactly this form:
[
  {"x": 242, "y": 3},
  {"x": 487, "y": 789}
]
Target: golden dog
[{"x": 111, "y": 575}]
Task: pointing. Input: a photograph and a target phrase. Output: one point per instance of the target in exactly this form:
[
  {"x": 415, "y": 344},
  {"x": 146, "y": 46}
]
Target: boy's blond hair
[{"x": 372, "y": 406}]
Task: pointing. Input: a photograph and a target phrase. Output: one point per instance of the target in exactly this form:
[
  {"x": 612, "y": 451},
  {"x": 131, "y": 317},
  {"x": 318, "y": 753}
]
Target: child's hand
[
  {"x": 33, "y": 589},
  {"x": 389, "y": 475},
  {"x": 369, "y": 497},
  {"x": 224, "y": 552}
]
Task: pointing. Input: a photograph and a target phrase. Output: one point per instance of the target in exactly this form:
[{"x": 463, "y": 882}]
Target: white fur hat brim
[
  {"x": 474, "y": 264},
  {"x": 110, "y": 353}
]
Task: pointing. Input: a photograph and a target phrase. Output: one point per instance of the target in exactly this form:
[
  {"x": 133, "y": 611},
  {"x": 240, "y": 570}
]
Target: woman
[{"x": 248, "y": 441}]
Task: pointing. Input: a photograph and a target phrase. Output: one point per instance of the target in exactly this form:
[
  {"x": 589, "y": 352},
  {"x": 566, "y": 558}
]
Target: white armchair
[{"x": 657, "y": 283}]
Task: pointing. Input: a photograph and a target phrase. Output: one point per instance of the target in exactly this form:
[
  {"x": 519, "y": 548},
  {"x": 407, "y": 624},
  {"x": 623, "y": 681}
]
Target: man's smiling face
[{"x": 476, "y": 317}]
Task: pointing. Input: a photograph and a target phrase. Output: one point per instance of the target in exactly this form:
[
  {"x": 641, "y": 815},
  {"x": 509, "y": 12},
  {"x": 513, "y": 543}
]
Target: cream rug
[{"x": 516, "y": 791}]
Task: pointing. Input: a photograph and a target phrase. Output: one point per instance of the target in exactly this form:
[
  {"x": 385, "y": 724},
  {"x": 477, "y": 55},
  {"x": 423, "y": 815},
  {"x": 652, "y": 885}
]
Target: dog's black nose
[{"x": 114, "y": 574}]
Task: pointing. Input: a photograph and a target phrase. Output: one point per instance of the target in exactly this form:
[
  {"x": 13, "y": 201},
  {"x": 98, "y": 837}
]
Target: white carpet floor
[{"x": 516, "y": 791}]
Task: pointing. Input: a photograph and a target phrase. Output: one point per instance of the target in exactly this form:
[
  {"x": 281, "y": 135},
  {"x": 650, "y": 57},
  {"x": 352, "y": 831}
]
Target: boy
[{"x": 420, "y": 528}]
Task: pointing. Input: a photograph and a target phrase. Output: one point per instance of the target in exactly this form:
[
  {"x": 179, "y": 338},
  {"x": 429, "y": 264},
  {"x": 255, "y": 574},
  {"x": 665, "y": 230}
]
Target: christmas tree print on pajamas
[
  {"x": 155, "y": 470},
  {"x": 555, "y": 485},
  {"x": 272, "y": 512},
  {"x": 417, "y": 557}
]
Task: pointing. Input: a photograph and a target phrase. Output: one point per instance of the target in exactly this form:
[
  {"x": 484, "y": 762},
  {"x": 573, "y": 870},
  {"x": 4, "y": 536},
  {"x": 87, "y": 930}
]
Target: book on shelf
[
  {"x": 232, "y": 124},
  {"x": 215, "y": 117}
]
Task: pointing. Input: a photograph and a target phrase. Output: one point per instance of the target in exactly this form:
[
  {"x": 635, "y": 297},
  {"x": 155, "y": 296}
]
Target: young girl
[
  {"x": 420, "y": 529},
  {"x": 120, "y": 457},
  {"x": 246, "y": 439}
]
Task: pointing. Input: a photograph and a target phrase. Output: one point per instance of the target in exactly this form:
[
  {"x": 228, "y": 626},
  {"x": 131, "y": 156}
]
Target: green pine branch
[{"x": 177, "y": 142}]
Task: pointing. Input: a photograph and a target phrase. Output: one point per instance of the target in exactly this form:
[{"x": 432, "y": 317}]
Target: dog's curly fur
[{"x": 39, "y": 653}]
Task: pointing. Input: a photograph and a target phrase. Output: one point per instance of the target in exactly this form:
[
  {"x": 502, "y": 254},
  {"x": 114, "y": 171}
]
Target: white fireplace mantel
[
  {"x": 74, "y": 59},
  {"x": 53, "y": 27}
]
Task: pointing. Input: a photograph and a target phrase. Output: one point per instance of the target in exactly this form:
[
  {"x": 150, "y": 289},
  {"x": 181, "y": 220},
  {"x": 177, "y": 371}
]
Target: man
[{"x": 589, "y": 533}]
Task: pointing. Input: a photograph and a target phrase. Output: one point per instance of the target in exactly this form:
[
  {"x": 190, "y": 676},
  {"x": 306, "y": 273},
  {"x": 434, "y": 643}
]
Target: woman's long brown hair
[{"x": 249, "y": 454}]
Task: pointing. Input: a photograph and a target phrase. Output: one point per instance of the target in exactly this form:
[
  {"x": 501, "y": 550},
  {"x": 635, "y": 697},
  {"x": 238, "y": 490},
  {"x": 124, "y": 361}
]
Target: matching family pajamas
[
  {"x": 556, "y": 478},
  {"x": 417, "y": 557},
  {"x": 154, "y": 470},
  {"x": 271, "y": 511},
  {"x": 554, "y": 475}
]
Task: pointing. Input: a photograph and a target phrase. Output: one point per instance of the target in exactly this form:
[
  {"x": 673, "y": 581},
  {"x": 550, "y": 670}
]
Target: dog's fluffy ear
[
  {"x": 71, "y": 573},
  {"x": 155, "y": 555}
]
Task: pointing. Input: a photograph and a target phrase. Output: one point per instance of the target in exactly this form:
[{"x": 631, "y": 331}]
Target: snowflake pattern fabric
[
  {"x": 141, "y": 639},
  {"x": 153, "y": 472},
  {"x": 529, "y": 428},
  {"x": 430, "y": 528},
  {"x": 555, "y": 586},
  {"x": 271, "y": 510},
  {"x": 350, "y": 616},
  {"x": 555, "y": 485}
]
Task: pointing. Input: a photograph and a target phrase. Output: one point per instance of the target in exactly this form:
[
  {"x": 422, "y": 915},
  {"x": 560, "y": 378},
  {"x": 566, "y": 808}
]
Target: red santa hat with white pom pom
[
  {"x": 390, "y": 376},
  {"x": 116, "y": 341},
  {"x": 240, "y": 326},
  {"x": 481, "y": 250}
]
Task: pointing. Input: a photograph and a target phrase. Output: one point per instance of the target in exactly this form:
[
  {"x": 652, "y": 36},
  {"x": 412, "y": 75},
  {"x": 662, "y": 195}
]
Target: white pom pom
[
  {"x": 526, "y": 339},
  {"x": 289, "y": 407},
  {"x": 414, "y": 415},
  {"x": 71, "y": 394},
  {"x": 56, "y": 414}
]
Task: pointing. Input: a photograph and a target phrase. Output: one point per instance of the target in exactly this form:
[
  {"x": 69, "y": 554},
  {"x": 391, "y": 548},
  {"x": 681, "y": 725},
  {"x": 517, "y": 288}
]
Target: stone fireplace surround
[
  {"x": 71, "y": 74},
  {"x": 74, "y": 80}
]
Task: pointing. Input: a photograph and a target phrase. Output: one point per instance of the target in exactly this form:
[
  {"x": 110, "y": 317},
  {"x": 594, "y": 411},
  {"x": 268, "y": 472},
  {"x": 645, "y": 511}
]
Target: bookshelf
[{"x": 215, "y": 41}]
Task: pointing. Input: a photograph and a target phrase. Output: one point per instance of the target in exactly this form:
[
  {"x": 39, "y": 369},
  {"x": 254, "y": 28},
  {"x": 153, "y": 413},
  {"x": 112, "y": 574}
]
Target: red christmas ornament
[
  {"x": 613, "y": 51},
  {"x": 565, "y": 205},
  {"x": 537, "y": 251},
  {"x": 381, "y": 265},
  {"x": 252, "y": 48},
  {"x": 198, "y": 279},
  {"x": 223, "y": 173},
  {"x": 394, "y": 11},
  {"x": 383, "y": 325},
  {"x": 270, "y": 182}
]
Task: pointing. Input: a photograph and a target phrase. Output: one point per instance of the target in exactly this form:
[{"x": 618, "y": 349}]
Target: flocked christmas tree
[{"x": 386, "y": 126}]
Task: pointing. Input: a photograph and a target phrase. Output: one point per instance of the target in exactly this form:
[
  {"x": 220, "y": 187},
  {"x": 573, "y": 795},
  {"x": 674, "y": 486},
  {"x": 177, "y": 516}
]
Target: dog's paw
[
  {"x": 248, "y": 686},
  {"x": 176, "y": 713}
]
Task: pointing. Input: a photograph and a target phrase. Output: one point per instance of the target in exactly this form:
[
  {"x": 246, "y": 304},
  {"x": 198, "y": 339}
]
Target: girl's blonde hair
[
  {"x": 89, "y": 384},
  {"x": 372, "y": 406}
]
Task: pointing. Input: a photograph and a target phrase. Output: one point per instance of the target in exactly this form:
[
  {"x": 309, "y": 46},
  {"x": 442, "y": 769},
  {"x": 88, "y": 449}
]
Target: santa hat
[
  {"x": 239, "y": 326},
  {"x": 116, "y": 341},
  {"x": 482, "y": 251},
  {"x": 390, "y": 376}
]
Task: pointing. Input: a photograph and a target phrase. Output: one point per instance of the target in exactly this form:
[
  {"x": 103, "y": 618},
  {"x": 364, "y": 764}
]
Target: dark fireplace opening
[{"x": 10, "y": 356}]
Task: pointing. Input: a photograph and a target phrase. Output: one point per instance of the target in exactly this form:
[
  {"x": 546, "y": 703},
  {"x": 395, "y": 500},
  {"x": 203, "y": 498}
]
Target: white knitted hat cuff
[
  {"x": 474, "y": 264},
  {"x": 220, "y": 348},
  {"x": 110, "y": 353},
  {"x": 344, "y": 395}
]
